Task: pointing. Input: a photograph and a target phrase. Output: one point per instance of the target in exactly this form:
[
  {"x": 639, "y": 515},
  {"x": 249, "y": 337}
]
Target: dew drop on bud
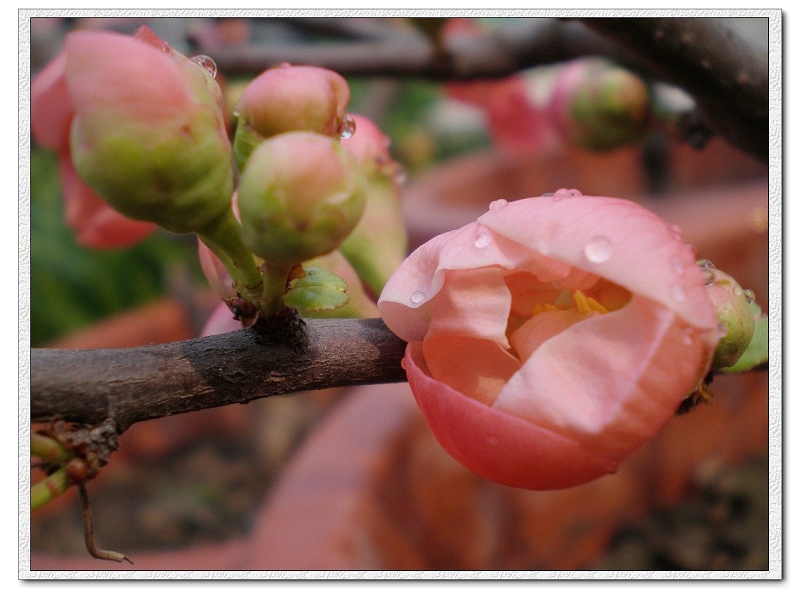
[
  {"x": 678, "y": 293},
  {"x": 750, "y": 296},
  {"x": 207, "y": 63},
  {"x": 598, "y": 249},
  {"x": 708, "y": 276},
  {"x": 737, "y": 291},
  {"x": 497, "y": 205},
  {"x": 482, "y": 240},
  {"x": 417, "y": 297},
  {"x": 723, "y": 329},
  {"x": 705, "y": 264},
  {"x": 348, "y": 127}
]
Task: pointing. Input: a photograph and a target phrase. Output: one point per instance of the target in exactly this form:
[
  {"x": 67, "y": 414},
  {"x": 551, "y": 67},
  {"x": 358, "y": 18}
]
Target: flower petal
[
  {"x": 610, "y": 381},
  {"x": 51, "y": 107},
  {"x": 496, "y": 445},
  {"x": 601, "y": 235}
]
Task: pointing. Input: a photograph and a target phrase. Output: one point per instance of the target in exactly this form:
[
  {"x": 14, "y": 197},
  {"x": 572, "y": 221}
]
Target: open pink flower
[
  {"x": 553, "y": 336},
  {"x": 97, "y": 225},
  {"x": 515, "y": 122}
]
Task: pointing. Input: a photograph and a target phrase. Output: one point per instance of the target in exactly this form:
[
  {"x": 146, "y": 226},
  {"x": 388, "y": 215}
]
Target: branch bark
[
  {"x": 136, "y": 384},
  {"x": 726, "y": 76}
]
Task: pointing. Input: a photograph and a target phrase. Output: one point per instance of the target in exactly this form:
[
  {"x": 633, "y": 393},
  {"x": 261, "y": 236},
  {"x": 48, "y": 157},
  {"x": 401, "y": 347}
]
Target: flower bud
[
  {"x": 599, "y": 106},
  {"x": 299, "y": 196},
  {"x": 736, "y": 322},
  {"x": 290, "y": 98},
  {"x": 148, "y": 133}
]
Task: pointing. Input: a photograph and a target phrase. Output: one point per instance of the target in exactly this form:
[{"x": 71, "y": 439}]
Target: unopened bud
[
  {"x": 736, "y": 322},
  {"x": 300, "y": 195}
]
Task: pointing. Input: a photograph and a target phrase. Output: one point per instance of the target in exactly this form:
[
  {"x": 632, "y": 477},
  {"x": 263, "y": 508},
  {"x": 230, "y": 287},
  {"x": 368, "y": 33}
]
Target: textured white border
[{"x": 774, "y": 308}]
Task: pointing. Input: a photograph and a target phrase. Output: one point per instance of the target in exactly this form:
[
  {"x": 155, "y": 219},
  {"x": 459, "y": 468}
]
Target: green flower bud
[
  {"x": 148, "y": 134},
  {"x": 299, "y": 196},
  {"x": 735, "y": 316}
]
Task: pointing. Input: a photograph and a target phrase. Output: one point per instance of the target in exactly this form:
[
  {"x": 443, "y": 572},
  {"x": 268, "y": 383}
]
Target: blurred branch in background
[{"x": 725, "y": 74}]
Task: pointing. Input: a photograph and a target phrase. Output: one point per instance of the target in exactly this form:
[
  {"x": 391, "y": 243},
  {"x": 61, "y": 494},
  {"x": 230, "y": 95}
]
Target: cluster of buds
[{"x": 146, "y": 137}]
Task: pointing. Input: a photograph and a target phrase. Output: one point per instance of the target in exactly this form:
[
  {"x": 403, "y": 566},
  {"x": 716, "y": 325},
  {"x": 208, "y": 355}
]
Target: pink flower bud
[
  {"x": 299, "y": 197},
  {"x": 598, "y": 105},
  {"x": 552, "y": 337},
  {"x": 142, "y": 125},
  {"x": 290, "y": 98}
]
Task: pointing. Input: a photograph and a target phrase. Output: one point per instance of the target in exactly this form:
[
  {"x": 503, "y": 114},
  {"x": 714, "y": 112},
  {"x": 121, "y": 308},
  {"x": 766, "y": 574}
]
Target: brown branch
[
  {"x": 726, "y": 76},
  {"x": 136, "y": 384}
]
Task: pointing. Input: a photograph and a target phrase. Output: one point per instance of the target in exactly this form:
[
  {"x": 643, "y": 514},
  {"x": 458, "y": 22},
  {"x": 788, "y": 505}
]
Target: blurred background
[{"x": 351, "y": 479}]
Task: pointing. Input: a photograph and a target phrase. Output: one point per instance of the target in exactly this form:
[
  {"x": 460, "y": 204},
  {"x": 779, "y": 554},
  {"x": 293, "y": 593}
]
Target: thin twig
[{"x": 88, "y": 532}]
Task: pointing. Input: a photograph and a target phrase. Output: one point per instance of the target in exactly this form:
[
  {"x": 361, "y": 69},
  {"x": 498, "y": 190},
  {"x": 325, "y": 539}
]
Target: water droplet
[
  {"x": 678, "y": 293},
  {"x": 562, "y": 193},
  {"x": 737, "y": 291},
  {"x": 677, "y": 265},
  {"x": 348, "y": 127},
  {"x": 675, "y": 231},
  {"x": 497, "y": 205},
  {"x": 687, "y": 336},
  {"x": 207, "y": 63},
  {"x": 482, "y": 240},
  {"x": 166, "y": 48},
  {"x": 547, "y": 194},
  {"x": 750, "y": 296},
  {"x": 723, "y": 329},
  {"x": 400, "y": 176},
  {"x": 417, "y": 297},
  {"x": 492, "y": 440},
  {"x": 598, "y": 249},
  {"x": 403, "y": 362},
  {"x": 705, "y": 264},
  {"x": 708, "y": 276}
]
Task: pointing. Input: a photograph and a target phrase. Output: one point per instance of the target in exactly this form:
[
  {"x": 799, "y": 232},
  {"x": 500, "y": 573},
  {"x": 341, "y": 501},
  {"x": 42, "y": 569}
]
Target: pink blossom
[
  {"x": 552, "y": 337},
  {"x": 515, "y": 122}
]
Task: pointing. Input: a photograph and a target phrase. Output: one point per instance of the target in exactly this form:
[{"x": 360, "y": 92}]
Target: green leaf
[
  {"x": 757, "y": 351},
  {"x": 316, "y": 289}
]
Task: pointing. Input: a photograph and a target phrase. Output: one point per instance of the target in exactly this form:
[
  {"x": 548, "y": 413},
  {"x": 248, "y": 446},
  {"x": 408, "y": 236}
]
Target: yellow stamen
[
  {"x": 581, "y": 304},
  {"x": 595, "y": 306}
]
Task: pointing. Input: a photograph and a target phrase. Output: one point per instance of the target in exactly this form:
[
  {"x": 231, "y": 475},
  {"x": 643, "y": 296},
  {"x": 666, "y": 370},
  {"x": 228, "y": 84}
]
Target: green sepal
[
  {"x": 315, "y": 289},
  {"x": 756, "y": 352},
  {"x": 245, "y": 140}
]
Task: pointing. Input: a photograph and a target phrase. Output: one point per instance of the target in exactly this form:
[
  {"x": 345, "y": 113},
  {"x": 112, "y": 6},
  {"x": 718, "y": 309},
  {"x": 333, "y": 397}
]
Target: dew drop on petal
[
  {"x": 750, "y": 296},
  {"x": 705, "y": 264},
  {"x": 403, "y": 362},
  {"x": 417, "y": 297},
  {"x": 207, "y": 63},
  {"x": 348, "y": 127},
  {"x": 497, "y": 205},
  {"x": 677, "y": 265},
  {"x": 687, "y": 336},
  {"x": 563, "y": 193},
  {"x": 598, "y": 249},
  {"x": 547, "y": 194},
  {"x": 708, "y": 276},
  {"x": 482, "y": 240},
  {"x": 675, "y": 231},
  {"x": 678, "y": 293}
]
